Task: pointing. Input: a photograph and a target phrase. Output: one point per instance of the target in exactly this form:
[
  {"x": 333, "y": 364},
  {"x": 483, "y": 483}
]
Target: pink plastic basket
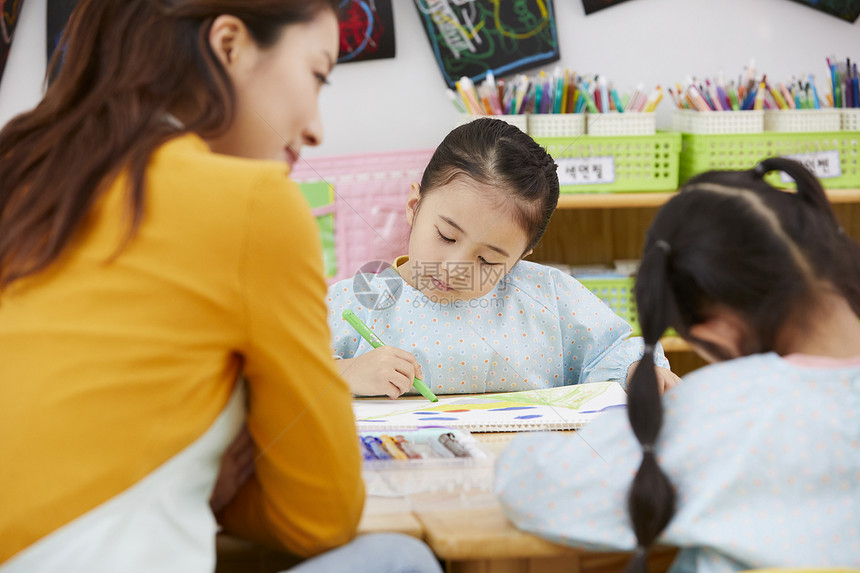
[{"x": 369, "y": 203}]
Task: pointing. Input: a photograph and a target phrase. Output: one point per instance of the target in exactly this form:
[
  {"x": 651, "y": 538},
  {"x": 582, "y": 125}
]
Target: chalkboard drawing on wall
[
  {"x": 59, "y": 12},
  {"x": 10, "y": 10},
  {"x": 366, "y": 30},
  {"x": 472, "y": 37},
  {"x": 846, "y": 9},
  {"x": 595, "y": 5}
]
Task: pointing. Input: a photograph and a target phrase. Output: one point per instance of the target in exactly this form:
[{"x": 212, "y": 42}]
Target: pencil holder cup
[
  {"x": 519, "y": 120},
  {"x": 557, "y": 125},
  {"x": 627, "y": 123},
  {"x": 711, "y": 122},
  {"x": 850, "y": 119},
  {"x": 801, "y": 120}
]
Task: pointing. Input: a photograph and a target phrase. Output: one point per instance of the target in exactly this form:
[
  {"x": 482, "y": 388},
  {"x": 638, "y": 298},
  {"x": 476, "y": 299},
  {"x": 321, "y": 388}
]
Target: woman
[{"x": 147, "y": 258}]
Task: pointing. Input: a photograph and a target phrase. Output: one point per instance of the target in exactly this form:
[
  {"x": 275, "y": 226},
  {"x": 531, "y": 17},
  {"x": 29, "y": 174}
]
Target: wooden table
[
  {"x": 468, "y": 531},
  {"x": 471, "y": 534}
]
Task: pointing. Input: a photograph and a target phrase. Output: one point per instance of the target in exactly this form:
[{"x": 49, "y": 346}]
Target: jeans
[{"x": 374, "y": 553}]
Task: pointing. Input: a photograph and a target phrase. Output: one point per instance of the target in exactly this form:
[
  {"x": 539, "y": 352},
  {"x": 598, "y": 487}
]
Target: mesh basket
[
  {"x": 515, "y": 120},
  {"x": 689, "y": 121},
  {"x": 628, "y": 123},
  {"x": 617, "y": 293},
  {"x": 849, "y": 119},
  {"x": 557, "y": 125},
  {"x": 742, "y": 151},
  {"x": 801, "y": 120},
  {"x": 638, "y": 162}
]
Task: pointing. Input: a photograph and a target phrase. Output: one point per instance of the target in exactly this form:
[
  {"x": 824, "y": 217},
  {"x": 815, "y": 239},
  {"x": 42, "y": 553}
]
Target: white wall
[
  {"x": 400, "y": 103},
  {"x": 21, "y": 85}
]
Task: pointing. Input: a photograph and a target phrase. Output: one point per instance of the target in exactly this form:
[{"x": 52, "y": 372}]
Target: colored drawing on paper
[
  {"x": 473, "y": 37},
  {"x": 366, "y": 30},
  {"x": 847, "y": 10},
  {"x": 592, "y": 6},
  {"x": 10, "y": 11},
  {"x": 565, "y": 403}
]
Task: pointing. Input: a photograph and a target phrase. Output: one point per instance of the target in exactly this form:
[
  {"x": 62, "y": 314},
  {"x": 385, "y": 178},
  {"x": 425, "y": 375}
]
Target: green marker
[
  {"x": 589, "y": 102},
  {"x": 375, "y": 342}
]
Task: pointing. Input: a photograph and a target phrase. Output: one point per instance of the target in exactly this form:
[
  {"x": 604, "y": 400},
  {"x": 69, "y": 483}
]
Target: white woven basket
[
  {"x": 557, "y": 124},
  {"x": 850, "y": 119},
  {"x": 801, "y": 120},
  {"x": 627, "y": 123},
  {"x": 689, "y": 121}
]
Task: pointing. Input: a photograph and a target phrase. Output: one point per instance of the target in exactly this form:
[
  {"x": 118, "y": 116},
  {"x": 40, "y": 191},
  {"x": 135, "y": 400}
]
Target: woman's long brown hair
[{"x": 122, "y": 67}]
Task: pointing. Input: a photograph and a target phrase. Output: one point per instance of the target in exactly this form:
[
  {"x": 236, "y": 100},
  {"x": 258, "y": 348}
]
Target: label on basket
[
  {"x": 824, "y": 164},
  {"x": 586, "y": 170}
]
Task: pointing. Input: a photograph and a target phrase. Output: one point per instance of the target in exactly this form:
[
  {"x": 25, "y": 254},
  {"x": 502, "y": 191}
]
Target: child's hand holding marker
[{"x": 384, "y": 370}]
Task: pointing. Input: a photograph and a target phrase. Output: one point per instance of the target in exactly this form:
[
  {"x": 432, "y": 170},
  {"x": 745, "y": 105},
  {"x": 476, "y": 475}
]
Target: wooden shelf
[
  {"x": 612, "y": 200},
  {"x": 597, "y": 228},
  {"x": 636, "y": 200},
  {"x": 675, "y": 344}
]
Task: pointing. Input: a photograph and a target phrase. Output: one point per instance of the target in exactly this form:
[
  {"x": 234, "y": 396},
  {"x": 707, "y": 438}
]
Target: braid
[
  {"x": 548, "y": 163},
  {"x": 550, "y": 170},
  {"x": 651, "y": 499}
]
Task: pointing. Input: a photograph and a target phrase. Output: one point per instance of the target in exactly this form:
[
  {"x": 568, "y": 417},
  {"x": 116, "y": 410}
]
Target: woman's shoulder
[
  {"x": 217, "y": 201},
  {"x": 185, "y": 174},
  {"x": 187, "y": 163}
]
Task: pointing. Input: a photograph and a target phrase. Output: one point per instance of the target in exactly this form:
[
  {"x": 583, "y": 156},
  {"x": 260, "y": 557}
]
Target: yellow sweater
[{"x": 108, "y": 368}]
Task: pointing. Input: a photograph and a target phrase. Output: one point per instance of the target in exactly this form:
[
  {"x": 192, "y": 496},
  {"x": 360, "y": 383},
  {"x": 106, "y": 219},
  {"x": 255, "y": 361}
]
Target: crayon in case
[{"x": 410, "y": 461}]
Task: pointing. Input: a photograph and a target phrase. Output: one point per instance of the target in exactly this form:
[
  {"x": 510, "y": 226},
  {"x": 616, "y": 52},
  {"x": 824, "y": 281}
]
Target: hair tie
[
  {"x": 663, "y": 246},
  {"x": 649, "y": 348},
  {"x": 648, "y": 448},
  {"x": 173, "y": 120},
  {"x": 641, "y": 550},
  {"x": 760, "y": 170},
  {"x": 840, "y": 230}
]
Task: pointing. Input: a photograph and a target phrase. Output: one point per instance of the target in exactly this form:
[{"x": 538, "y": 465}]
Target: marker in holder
[{"x": 424, "y": 460}]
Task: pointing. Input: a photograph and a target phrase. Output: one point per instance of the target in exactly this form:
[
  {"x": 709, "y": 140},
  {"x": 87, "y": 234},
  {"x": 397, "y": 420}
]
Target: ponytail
[
  {"x": 842, "y": 264},
  {"x": 651, "y": 500},
  {"x": 809, "y": 189}
]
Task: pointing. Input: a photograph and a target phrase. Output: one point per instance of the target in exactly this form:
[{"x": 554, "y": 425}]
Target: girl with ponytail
[
  {"x": 462, "y": 307},
  {"x": 753, "y": 461},
  {"x": 153, "y": 250}
]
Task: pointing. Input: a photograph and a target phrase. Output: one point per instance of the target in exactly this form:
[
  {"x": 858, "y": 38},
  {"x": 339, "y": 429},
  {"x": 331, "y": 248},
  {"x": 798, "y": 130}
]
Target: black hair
[
  {"x": 500, "y": 155},
  {"x": 729, "y": 239}
]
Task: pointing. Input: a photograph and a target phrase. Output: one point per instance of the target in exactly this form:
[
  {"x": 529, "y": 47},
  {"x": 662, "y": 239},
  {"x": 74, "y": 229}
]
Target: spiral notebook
[{"x": 563, "y": 408}]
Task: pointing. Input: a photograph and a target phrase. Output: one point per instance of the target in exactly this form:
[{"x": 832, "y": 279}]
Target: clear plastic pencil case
[{"x": 410, "y": 461}]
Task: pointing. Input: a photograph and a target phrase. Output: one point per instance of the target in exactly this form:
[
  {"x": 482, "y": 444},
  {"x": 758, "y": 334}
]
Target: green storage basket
[
  {"x": 617, "y": 293},
  {"x": 641, "y": 162},
  {"x": 743, "y": 150}
]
